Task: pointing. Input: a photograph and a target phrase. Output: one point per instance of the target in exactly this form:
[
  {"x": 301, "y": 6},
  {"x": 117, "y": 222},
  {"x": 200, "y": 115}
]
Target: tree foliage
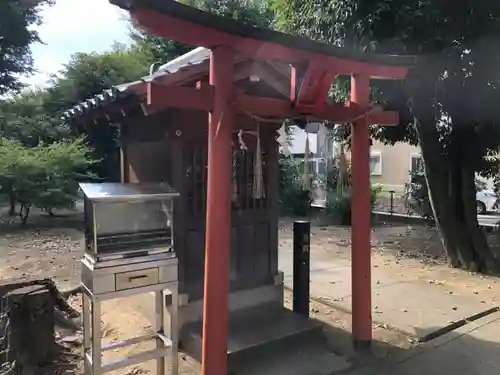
[
  {"x": 417, "y": 195},
  {"x": 87, "y": 75},
  {"x": 161, "y": 50},
  {"x": 45, "y": 176},
  {"x": 25, "y": 119},
  {"x": 293, "y": 197},
  {"x": 17, "y": 33},
  {"x": 447, "y": 103},
  {"x": 35, "y": 139},
  {"x": 251, "y": 12}
]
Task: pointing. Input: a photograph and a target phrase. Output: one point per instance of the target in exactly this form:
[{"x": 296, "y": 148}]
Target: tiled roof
[
  {"x": 106, "y": 97},
  {"x": 123, "y": 91}
]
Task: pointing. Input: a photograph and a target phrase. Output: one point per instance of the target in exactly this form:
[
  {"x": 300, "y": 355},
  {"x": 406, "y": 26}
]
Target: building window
[
  {"x": 417, "y": 163},
  {"x": 376, "y": 164}
]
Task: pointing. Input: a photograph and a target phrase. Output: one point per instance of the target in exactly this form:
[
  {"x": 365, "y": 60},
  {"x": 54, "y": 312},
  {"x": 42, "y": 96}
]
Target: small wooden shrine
[{"x": 171, "y": 145}]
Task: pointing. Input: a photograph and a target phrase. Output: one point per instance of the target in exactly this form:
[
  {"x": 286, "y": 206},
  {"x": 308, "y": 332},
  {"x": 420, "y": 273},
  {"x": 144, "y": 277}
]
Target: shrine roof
[
  {"x": 232, "y": 27},
  {"x": 128, "y": 91}
]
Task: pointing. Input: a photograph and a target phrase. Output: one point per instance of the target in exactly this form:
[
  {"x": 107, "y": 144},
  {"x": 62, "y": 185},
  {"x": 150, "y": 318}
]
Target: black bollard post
[
  {"x": 392, "y": 202},
  {"x": 301, "y": 265}
]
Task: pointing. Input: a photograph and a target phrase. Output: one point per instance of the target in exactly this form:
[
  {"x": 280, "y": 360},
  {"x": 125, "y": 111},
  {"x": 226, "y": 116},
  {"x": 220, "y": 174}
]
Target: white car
[{"x": 486, "y": 201}]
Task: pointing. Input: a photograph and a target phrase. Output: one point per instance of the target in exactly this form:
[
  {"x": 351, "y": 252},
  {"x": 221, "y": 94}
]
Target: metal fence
[
  {"x": 393, "y": 202},
  {"x": 387, "y": 201}
]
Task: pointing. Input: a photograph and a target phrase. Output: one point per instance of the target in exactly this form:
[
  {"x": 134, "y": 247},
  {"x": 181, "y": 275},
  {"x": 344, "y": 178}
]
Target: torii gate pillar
[
  {"x": 218, "y": 215},
  {"x": 361, "y": 217}
]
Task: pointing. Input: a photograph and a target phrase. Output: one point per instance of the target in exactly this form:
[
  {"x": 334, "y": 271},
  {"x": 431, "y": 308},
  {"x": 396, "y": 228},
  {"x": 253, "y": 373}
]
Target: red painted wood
[
  {"x": 293, "y": 84},
  {"x": 361, "y": 212},
  {"x": 160, "y": 96},
  {"x": 277, "y": 108},
  {"x": 190, "y": 33},
  {"x": 313, "y": 91},
  {"x": 218, "y": 216},
  {"x": 219, "y": 186},
  {"x": 306, "y": 96}
]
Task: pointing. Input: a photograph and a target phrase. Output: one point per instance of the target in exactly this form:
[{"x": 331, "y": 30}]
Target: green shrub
[
  {"x": 339, "y": 206},
  {"x": 45, "y": 176},
  {"x": 298, "y": 201},
  {"x": 375, "y": 190},
  {"x": 417, "y": 195},
  {"x": 292, "y": 197}
]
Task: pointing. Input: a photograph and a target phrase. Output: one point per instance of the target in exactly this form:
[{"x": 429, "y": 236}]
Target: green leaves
[
  {"x": 160, "y": 50},
  {"x": 292, "y": 196},
  {"x": 460, "y": 74},
  {"x": 44, "y": 176},
  {"x": 88, "y": 74},
  {"x": 24, "y": 118},
  {"x": 17, "y": 18}
]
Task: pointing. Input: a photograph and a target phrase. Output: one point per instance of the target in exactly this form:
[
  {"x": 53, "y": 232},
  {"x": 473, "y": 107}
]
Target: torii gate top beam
[{"x": 186, "y": 24}]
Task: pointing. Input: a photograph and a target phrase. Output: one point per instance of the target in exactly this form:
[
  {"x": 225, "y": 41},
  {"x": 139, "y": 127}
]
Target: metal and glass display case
[
  {"x": 129, "y": 249},
  {"x": 127, "y": 220}
]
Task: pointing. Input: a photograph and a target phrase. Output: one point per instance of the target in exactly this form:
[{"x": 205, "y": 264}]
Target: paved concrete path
[
  {"x": 488, "y": 220},
  {"x": 417, "y": 307},
  {"x": 414, "y": 306},
  {"x": 471, "y": 349}
]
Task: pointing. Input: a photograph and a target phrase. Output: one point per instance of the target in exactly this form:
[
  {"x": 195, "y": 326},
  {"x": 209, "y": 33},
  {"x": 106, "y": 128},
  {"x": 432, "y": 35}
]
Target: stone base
[
  {"x": 256, "y": 330},
  {"x": 271, "y": 340},
  {"x": 265, "y": 338},
  {"x": 192, "y": 311}
]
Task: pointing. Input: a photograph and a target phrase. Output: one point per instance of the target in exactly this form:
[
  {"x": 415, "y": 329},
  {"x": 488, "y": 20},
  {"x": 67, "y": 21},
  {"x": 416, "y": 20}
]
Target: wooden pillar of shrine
[
  {"x": 218, "y": 215},
  {"x": 361, "y": 216}
]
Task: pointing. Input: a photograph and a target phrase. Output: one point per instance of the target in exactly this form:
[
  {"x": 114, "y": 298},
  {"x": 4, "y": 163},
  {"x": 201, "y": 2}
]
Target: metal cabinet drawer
[{"x": 136, "y": 279}]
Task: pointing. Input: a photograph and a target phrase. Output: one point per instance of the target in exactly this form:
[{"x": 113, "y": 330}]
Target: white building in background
[
  {"x": 390, "y": 165},
  {"x": 298, "y": 143},
  {"x": 321, "y": 150},
  {"x": 320, "y": 144}
]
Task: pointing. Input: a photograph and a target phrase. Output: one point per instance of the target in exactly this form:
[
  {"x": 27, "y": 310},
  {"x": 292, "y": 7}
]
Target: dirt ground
[
  {"x": 411, "y": 250},
  {"x": 122, "y": 320},
  {"x": 51, "y": 247}
]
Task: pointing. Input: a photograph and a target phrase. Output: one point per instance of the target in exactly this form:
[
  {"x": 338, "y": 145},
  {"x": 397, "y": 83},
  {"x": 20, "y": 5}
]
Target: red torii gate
[{"x": 313, "y": 67}]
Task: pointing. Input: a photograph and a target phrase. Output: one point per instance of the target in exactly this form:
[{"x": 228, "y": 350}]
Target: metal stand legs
[{"x": 165, "y": 335}]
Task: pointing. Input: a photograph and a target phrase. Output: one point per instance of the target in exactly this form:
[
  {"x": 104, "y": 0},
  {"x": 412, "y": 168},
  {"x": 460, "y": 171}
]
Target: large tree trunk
[
  {"x": 447, "y": 184},
  {"x": 450, "y": 178},
  {"x": 441, "y": 195},
  {"x": 465, "y": 156}
]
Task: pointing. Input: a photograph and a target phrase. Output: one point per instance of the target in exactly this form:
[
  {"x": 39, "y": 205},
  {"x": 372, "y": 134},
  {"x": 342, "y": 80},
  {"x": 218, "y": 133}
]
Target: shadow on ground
[
  {"x": 418, "y": 241},
  {"x": 66, "y": 362},
  {"x": 339, "y": 341},
  {"x": 41, "y": 221},
  {"x": 473, "y": 349}
]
